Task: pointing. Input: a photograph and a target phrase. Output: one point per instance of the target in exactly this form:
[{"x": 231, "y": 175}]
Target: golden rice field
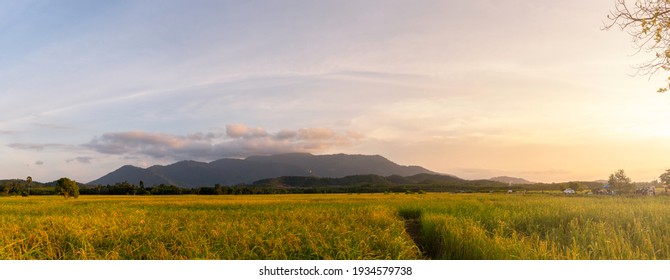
[{"x": 335, "y": 226}]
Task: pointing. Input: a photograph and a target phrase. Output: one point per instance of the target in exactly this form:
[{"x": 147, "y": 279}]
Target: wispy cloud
[
  {"x": 38, "y": 146},
  {"x": 83, "y": 160},
  {"x": 238, "y": 140},
  {"x": 52, "y": 126}
]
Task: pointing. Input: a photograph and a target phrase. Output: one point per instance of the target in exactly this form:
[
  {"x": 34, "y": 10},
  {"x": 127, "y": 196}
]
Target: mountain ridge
[
  {"x": 511, "y": 180},
  {"x": 229, "y": 171}
]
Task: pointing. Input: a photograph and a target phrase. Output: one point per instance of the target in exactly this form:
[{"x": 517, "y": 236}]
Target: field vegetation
[
  {"x": 544, "y": 227},
  {"x": 336, "y": 226},
  {"x": 201, "y": 227}
]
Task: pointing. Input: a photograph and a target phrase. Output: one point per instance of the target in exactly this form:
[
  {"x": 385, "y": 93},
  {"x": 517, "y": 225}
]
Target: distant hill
[
  {"x": 189, "y": 174},
  {"x": 511, "y": 180}
]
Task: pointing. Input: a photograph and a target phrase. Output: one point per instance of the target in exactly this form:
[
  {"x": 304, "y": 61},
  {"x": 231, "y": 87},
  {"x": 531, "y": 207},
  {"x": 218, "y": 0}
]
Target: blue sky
[{"x": 477, "y": 89}]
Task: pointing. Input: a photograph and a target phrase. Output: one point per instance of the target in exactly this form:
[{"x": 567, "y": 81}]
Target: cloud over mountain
[{"x": 239, "y": 140}]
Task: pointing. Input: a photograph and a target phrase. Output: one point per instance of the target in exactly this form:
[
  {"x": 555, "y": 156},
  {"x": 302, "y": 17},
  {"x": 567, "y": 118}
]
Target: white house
[{"x": 569, "y": 191}]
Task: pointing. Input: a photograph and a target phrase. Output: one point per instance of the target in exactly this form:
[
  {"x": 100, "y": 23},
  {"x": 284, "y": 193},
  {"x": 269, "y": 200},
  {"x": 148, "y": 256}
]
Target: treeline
[
  {"x": 14, "y": 187},
  {"x": 302, "y": 184},
  {"x": 130, "y": 189},
  {"x": 349, "y": 184},
  {"x": 125, "y": 188}
]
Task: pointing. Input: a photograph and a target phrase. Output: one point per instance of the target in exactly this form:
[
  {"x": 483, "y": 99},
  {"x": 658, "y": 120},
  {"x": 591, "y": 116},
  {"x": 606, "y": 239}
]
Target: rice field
[
  {"x": 201, "y": 227},
  {"x": 530, "y": 227},
  {"x": 335, "y": 226}
]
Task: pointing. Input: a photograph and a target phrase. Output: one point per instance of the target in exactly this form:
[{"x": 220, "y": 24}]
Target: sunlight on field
[
  {"x": 197, "y": 227},
  {"x": 546, "y": 227},
  {"x": 368, "y": 226}
]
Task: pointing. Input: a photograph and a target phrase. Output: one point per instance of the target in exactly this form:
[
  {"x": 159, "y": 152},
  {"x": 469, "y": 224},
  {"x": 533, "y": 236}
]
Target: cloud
[
  {"x": 83, "y": 160},
  {"x": 242, "y": 131},
  {"x": 36, "y": 147},
  {"x": 39, "y": 162},
  {"x": 52, "y": 126},
  {"x": 239, "y": 140}
]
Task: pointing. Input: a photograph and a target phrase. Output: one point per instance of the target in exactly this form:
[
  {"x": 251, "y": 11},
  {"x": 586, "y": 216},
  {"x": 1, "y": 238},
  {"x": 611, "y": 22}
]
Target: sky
[{"x": 475, "y": 89}]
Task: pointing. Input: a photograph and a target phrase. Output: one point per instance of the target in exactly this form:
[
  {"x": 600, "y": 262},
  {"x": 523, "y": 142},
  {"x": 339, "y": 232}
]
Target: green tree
[
  {"x": 576, "y": 186},
  {"x": 29, "y": 181},
  {"x": 620, "y": 183},
  {"x": 6, "y": 188},
  {"x": 648, "y": 22},
  {"x": 67, "y": 188},
  {"x": 218, "y": 190},
  {"x": 665, "y": 177},
  {"x": 665, "y": 180}
]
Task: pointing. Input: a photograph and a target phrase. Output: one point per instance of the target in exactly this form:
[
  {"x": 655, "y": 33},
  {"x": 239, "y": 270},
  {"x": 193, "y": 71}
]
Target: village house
[{"x": 569, "y": 191}]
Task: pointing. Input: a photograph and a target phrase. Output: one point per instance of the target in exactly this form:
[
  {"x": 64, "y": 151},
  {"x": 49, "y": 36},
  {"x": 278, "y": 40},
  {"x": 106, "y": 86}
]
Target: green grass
[{"x": 332, "y": 226}]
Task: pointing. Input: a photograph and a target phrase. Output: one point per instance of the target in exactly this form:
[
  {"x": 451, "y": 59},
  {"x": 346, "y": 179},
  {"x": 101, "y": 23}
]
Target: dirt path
[{"x": 413, "y": 228}]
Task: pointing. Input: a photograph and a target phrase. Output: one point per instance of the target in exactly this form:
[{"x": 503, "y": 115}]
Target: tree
[
  {"x": 648, "y": 22},
  {"x": 665, "y": 177},
  {"x": 218, "y": 190},
  {"x": 620, "y": 183},
  {"x": 576, "y": 186},
  {"x": 29, "y": 180},
  {"x": 67, "y": 188},
  {"x": 6, "y": 188}
]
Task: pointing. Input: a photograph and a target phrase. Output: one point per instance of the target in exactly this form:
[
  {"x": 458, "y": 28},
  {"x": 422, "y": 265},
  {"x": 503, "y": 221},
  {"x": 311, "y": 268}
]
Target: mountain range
[
  {"x": 511, "y": 180},
  {"x": 189, "y": 174}
]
